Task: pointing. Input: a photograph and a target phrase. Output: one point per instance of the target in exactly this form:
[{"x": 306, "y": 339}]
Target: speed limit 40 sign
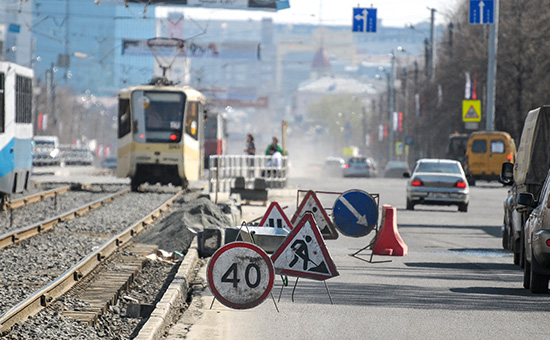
[{"x": 240, "y": 275}]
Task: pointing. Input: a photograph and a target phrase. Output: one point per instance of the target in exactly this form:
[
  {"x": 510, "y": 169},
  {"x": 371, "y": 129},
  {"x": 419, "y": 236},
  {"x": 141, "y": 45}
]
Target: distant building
[
  {"x": 16, "y": 42},
  {"x": 314, "y": 90}
]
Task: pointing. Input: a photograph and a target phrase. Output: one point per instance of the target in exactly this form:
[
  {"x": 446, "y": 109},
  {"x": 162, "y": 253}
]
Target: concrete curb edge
[{"x": 177, "y": 291}]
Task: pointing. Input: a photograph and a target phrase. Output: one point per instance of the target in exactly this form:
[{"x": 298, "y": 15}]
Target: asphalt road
[{"x": 455, "y": 283}]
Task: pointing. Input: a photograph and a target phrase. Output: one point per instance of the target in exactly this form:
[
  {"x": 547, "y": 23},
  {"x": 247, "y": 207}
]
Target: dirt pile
[{"x": 176, "y": 231}]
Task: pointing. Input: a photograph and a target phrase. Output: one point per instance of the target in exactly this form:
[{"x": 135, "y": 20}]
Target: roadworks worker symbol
[
  {"x": 311, "y": 204},
  {"x": 303, "y": 253},
  {"x": 276, "y": 218},
  {"x": 471, "y": 110}
]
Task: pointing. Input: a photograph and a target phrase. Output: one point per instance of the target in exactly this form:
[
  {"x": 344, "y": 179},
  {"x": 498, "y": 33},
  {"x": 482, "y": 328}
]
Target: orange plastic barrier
[{"x": 389, "y": 241}]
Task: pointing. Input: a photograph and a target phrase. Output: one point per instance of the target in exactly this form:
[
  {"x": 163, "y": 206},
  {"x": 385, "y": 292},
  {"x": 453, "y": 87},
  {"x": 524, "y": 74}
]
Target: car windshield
[
  {"x": 358, "y": 160},
  {"x": 451, "y": 168}
]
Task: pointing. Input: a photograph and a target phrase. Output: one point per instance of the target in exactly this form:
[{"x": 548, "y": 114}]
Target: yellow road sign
[{"x": 471, "y": 111}]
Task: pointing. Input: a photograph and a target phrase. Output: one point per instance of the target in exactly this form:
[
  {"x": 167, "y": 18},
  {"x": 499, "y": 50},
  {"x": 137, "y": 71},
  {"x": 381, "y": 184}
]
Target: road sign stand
[
  {"x": 355, "y": 213},
  {"x": 294, "y": 289},
  {"x": 371, "y": 244},
  {"x": 272, "y": 298},
  {"x": 305, "y": 242},
  {"x": 244, "y": 224}
]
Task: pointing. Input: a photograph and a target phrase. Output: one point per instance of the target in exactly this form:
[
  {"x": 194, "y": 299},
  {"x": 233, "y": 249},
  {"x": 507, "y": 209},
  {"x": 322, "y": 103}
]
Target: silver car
[
  {"x": 537, "y": 239},
  {"x": 358, "y": 166},
  {"x": 438, "y": 182}
]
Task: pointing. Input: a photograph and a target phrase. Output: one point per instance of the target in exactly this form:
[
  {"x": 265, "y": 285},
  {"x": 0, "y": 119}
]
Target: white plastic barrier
[{"x": 225, "y": 168}]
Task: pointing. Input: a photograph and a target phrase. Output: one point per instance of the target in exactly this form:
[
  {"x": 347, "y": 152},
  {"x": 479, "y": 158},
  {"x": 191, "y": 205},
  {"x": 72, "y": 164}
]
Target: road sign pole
[{"x": 492, "y": 69}]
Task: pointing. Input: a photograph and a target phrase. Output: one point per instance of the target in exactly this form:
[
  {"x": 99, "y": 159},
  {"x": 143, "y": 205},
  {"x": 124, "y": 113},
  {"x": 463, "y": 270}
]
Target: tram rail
[
  {"x": 9, "y": 205},
  {"x": 71, "y": 277},
  {"x": 23, "y": 233}
]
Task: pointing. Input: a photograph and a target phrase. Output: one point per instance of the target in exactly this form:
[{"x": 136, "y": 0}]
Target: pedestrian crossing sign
[
  {"x": 303, "y": 253},
  {"x": 471, "y": 111}
]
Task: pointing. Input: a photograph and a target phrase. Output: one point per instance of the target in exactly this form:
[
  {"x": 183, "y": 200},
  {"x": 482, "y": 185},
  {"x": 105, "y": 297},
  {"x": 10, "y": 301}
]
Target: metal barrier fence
[{"x": 223, "y": 169}]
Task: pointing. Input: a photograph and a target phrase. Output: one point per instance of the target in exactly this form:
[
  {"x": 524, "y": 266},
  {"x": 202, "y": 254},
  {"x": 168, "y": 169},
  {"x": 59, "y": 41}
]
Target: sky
[{"x": 395, "y": 13}]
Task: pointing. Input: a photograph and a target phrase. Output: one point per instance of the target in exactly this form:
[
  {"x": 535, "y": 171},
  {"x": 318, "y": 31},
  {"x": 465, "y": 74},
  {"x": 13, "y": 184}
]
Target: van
[{"x": 485, "y": 153}]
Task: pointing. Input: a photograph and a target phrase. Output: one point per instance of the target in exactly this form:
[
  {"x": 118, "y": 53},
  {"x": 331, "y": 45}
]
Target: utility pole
[
  {"x": 50, "y": 95},
  {"x": 67, "y": 58},
  {"x": 391, "y": 103},
  {"x": 431, "y": 44},
  {"x": 492, "y": 70}
]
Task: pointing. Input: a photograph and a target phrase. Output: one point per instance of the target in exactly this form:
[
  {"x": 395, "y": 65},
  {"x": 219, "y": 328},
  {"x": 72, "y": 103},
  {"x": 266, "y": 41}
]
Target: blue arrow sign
[
  {"x": 355, "y": 213},
  {"x": 364, "y": 20},
  {"x": 482, "y": 11}
]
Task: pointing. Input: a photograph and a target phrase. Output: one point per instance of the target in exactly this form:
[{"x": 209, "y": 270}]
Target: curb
[{"x": 163, "y": 314}]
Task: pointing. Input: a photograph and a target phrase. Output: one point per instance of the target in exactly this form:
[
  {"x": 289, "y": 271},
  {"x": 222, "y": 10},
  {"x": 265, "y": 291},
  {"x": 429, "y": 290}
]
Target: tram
[
  {"x": 160, "y": 134},
  {"x": 15, "y": 128}
]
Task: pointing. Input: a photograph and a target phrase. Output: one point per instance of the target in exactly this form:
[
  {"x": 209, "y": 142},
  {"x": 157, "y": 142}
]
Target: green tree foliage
[{"x": 342, "y": 115}]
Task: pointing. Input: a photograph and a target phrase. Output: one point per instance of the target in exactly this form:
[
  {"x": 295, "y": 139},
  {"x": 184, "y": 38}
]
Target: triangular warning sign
[
  {"x": 471, "y": 113},
  {"x": 275, "y": 217},
  {"x": 311, "y": 204},
  {"x": 303, "y": 253}
]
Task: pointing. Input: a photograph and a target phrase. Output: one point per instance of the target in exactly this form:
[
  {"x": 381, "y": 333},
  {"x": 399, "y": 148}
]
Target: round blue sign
[{"x": 355, "y": 213}]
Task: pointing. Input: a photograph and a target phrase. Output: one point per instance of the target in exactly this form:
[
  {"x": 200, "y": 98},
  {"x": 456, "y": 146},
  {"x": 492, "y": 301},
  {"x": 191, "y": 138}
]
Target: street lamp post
[
  {"x": 432, "y": 49},
  {"x": 391, "y": 105},
  {"x": 429, "y": 42},
  {"x": 390, "y": 76}
]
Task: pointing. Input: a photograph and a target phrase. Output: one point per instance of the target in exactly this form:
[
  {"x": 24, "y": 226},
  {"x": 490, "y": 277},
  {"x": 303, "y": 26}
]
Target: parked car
[
  {"x": 360, "y": 167},
  {"x": 536, "y": 269},
  {"x": 438, "y": 182},
  {"x": 109, "y": 163},
  {"x": 485, "y": 153},
  {"x": 334, "y": 166},
  {"x": 526, "y": 175},
  {"x": 396, "y": 169}
]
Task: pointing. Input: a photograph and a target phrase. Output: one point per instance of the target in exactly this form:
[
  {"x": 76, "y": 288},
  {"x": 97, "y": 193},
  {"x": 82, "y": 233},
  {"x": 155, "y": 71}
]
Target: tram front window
[{"x": 158, "y": 116}]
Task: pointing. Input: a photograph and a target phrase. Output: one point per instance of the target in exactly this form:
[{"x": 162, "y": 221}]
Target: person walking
[
  {"x": 250, "y": 148},
  {"x": 250, "y": 151}
]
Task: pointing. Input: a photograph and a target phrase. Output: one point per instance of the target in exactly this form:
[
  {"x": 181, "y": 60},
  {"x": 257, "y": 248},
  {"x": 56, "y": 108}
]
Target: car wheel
[
  {"x": 463, "y": 207},
  {"x": 410, "y": 205},
  {"x": 539, "y": 282},
  {"x": 526, "y": 275},
  {"x": 516, "y": 258},
  {"x": 505, "y": 238},
  {"x": 521, "y": 251}
]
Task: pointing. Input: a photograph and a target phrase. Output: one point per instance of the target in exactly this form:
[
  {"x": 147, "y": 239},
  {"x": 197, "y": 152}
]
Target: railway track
[
  {"x": 24, "y": 233},
  {"x": 9, "y": 205},
  {"x": 113, "y": 238}
]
